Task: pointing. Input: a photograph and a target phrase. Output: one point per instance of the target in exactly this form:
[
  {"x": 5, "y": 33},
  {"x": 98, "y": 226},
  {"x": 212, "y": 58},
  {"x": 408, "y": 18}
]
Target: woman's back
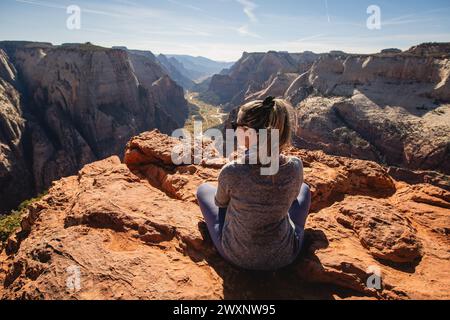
[
  {"x": 265, "y": 214},
  {"x": 258, "y": 233}
]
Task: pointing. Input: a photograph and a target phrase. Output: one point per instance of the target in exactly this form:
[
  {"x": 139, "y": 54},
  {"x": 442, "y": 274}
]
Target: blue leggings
[{"x": 215, "y": 216}]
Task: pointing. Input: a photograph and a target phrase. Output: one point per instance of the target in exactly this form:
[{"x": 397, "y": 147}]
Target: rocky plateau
[{"x": 133, "y": 230}]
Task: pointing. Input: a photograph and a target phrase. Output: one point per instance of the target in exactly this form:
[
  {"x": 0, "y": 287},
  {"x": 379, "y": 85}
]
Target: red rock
[
  {"x": 83, "y": 103},
  {"x": 138, "y": 234}
]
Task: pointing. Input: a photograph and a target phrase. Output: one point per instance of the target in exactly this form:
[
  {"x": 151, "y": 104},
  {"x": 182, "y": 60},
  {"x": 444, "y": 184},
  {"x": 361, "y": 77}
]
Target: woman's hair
[{"x": 268, "y": 114}]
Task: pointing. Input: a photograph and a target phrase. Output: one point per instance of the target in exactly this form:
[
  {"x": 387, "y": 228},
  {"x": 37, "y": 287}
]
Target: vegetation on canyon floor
[
  {"x": 210, "y": 115},
  {"x": 11, "y": 222}
]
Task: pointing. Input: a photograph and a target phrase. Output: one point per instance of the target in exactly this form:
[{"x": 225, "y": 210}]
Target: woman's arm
[{"x": 223, "y": 198}]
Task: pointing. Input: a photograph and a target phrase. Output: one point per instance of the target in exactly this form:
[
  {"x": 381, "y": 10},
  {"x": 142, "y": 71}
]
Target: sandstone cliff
[
  {"x": 134, "y": 231},
  {"x": 176, "y": 71},
  {"x": 169, "y": 66},
  {"x": 393, "y": 108},
  {"x": 63, "y": 107},
  {"x": 255, "y": 72},
  {"x": 15, "y": 176}
]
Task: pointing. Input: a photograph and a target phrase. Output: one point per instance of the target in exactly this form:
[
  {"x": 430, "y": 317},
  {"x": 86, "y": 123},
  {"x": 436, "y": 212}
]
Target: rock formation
[
  {"x": 392, "y": 108},
  {"x": 134, "y": 231},
  {"x": 63, "y": 107},
  {"x": 256, "y": 72},
  {"x": 15, "y": 176},
  {"x": 167, "y": 66},
  {"x": 176, "y": 71}
]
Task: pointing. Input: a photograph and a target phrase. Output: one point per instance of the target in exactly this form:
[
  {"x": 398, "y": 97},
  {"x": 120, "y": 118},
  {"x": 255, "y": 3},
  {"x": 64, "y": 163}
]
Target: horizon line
[{"x": 226, "y": 61}]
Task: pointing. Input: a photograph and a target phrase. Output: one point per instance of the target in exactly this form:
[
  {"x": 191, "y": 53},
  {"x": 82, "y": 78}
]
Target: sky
[{"x": 224, "y": 29}]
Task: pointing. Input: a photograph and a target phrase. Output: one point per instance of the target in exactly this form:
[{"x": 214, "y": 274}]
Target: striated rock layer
[
  {"x": 392, "y": 108},
  {"x": 134, "y": 231},
  {"x": 63, "y": 107},
  {"x": 259, "y": 73}
]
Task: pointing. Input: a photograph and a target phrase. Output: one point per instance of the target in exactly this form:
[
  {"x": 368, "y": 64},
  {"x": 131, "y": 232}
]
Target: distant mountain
[
  {"x": 176, "y": 71},
  {"x": 171, "y": 67},
  {"x": 198, "y": 68},
  {"x": 186, "y": 71}
]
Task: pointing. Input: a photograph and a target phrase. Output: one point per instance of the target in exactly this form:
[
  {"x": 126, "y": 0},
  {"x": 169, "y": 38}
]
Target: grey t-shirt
[{"x": 258, "y": 233}]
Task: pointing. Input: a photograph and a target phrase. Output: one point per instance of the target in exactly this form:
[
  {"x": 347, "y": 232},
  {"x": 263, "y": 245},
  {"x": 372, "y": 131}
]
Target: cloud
[
  {"x": 244, "y": 31},
  {"x": 406, "y": 19},
  {"x": 416, "y": 18},
  {"x": 249, "y": 8},
  {"x": 189, "y": 6},
  {"x": 48, "y": 4},
  {"x": 126, "y": 2},
  {"x": 42, "y": 4},
  {"x": 310, "y": 38},
  {"x": 328, "y": 11}
]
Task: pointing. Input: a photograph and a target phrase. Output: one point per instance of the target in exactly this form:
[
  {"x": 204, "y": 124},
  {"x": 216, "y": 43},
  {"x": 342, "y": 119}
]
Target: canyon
[
  {"x": 392, "y": 107},
  {"x": 91, "y": 125},
  {"x": 66, "y": 106},
  {"x": 133, "y": 230},
  {"x": 63, "y": 107}
]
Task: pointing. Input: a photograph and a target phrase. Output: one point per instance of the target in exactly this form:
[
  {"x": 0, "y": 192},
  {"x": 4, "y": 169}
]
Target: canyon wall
[
  {"x": 15, "y": 176},
  {"x": 393, "y": 108},
  {"x": 258, "y": 71},
  {"x": 65, "y": 106}
]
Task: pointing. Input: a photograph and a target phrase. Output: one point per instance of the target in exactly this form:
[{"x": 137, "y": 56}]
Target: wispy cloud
[
  {"x": 249, "y": 8},
  {"x": 406, "y": 19},
  {"x": 418, "y": 17},
  {"x": 42, "y": 4},
  {"x": 311, "y": 37},
  {"x": 185, "y": 5},
  {"x": 244, "y": 31},
  {"x": 53, "y": 5},
  {"x": 328, "y": 11},
  {"x": 127, "y": 2}
]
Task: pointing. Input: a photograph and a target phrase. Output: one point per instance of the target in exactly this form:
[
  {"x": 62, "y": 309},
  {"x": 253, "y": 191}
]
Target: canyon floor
[
  {"x": 133, "y": 230},
  {"x": 210, "y": 115}
]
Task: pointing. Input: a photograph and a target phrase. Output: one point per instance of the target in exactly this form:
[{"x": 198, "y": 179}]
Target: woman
[{"x": 255, "y": 221}]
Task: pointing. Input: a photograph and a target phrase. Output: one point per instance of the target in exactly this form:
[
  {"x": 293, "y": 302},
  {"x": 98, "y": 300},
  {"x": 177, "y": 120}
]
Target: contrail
[{"x": 328, "y": 11}]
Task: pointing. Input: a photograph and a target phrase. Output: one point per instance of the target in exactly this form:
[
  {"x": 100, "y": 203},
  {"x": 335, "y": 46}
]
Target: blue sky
[{"x": 223, "y": 29}]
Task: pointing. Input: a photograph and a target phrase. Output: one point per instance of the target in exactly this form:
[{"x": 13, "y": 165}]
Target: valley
[
  {"x": 390, "y": 107},
  {"x": 210, "y": 115},
  {"x": 92, "y": 126},
  {"x": 62, "y": 107},
  {"x": 129, "y": 173}
]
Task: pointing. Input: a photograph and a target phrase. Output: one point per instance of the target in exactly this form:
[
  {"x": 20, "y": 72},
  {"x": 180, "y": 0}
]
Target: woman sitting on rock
[{"x": 257, "y": 221}]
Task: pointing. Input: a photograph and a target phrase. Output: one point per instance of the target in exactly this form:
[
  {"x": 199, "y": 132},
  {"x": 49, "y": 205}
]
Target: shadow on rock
[{"x": 289, "y": 283}]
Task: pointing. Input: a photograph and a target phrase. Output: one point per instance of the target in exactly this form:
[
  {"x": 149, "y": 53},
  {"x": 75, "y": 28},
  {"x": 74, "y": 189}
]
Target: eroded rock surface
[
  {"x": 14, "y": 173},
  {"x": 392, "y": 107},
  {"x": 134, "y": 231},
  {"x": 259, "y": 73},
  {"x": 62, "y": 107}
]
